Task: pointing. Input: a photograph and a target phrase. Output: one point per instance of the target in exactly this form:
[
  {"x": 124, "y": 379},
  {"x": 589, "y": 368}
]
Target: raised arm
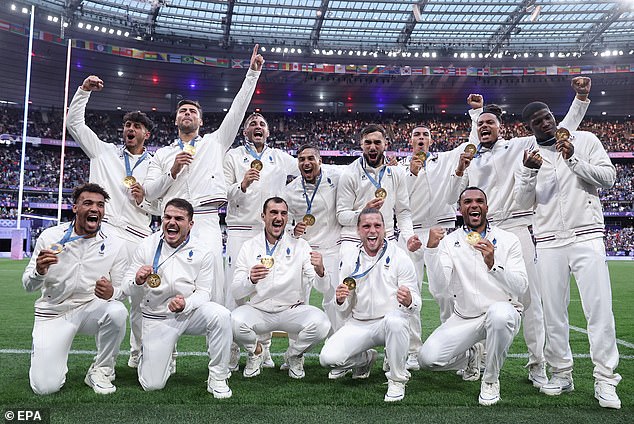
[{"x": 76, "y": 122}]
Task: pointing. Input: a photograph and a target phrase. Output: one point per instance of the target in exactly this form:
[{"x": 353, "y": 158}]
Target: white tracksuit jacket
[
  {"x": 564, "y": 192},
  {"x": 458, "y": 268},
  {"x": 355, "y": 191},
  {"x": 288, "y": 281},
  {"x": 107, "y": 168},
  {"x": 189, "y": 272},
  {"x": 375, "y": 293},
  {"x": 201, "y": 183},
  {"x": 70, "y": 283}
]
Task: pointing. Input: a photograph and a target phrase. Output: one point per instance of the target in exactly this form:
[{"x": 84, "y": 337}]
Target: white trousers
[
  {"x": 586, "y": 261},
  {"x": 207, "y": 228},
  {"x": 348, "y": 347},
  {"x": 53, "y": 337},
  {"x": 308, "y": 323},
  {"x": 160, "y": 337},
  {"x": 235, "y": 240},
  {"x": 136, "y": 317},
  {"x": 331, "y": 263},
  {"x": 533, "y": 315},
  {"x": 446, "y": 347}
]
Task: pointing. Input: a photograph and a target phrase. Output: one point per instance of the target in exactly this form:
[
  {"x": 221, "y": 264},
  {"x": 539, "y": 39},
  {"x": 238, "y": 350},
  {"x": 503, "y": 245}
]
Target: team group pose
[{"x": 364, "y": 235}]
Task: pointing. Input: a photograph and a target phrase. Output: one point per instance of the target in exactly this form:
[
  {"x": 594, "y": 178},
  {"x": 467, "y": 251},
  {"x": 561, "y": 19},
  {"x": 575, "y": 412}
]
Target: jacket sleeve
[
  {"x": 31, "y": 280},
  {"x": 512, "y": 274},
  {"x": 77, "y": 128},
  {"x": 310, "y": 277},
  {"x": 128, "y": 284},
  {"x": 228, "y": 129},
  {"x": 204, "y": 282},
  {"x": 157, "y": 180},
  {"x": 401, "y": 206},
  {"x": 241, "y": 286},
  {"x": 474, "y": 114},
  {"x": 346, "y": 194},
  {"x": 118, "y": 273},
  {"x": 598, "y": 169},
  {"x": 575, "y": 114},
  {"x": 407, "y": 277},
  {"x": 524, "y": 189},
  {"x": 439, "y": 270}
]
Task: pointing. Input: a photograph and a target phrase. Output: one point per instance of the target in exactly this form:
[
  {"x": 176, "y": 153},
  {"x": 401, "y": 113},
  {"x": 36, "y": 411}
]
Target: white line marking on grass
[
  {"x": 274, "y": 354},
  {"x": 618, "y": 341}
]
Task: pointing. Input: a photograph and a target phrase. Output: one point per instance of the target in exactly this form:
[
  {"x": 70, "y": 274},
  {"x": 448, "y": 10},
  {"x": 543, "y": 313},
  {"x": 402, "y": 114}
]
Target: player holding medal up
[
  {"x": 376, "y": 298},
  {"x": 482, "y": 268}
]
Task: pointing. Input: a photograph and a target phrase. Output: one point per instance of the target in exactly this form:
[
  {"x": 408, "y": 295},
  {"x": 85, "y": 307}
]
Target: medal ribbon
[
  {"x": 129, "y": 171},
  {"x": 364, "y": 273},
  {"x": 269, "y": 250},
  {"x": 193, "y": 142},
  {"x": 309, "y": 203},
  {"x": 372, "y": 180},
  {"x": 157, "y": 254},
  {"x": 253, "y": 152},
  {"x": 67, "y": 238}
]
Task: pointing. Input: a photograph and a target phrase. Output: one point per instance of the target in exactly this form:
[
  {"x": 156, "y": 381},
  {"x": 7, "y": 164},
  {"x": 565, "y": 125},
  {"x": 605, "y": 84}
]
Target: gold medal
[
  {"x": 153, "y": 280},
  {"x": 129, "y": 181},
  {"x": 257, "y": 164},
  {"x": 308, "y": 219},
  {"x": 473, "y": 238},
  {"x": 189, "y": 149},
  {"x": 56, "y": 248},
  {"x": 267, "y": 261},
  {"x": 562, "y": 134},
  {"x": 422, "y": 155},
  {"x": 380, "y": 193},
  {"x": 350, "y": 282},
  {"x": 471, "y": 149}
]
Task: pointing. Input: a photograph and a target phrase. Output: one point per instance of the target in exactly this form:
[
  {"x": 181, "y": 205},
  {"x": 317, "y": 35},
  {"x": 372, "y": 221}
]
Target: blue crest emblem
[
  {"x": 102, "y": 248},
  {"x": 271, "y": 159},
  {"x": 389, "y": 171},
  {"x": 191, "y": 253},
  {"x": 387, "y": 262},
  {"x": 288, "y": 251}
]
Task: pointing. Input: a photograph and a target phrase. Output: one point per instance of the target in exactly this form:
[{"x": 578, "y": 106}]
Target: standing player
[
  {"x": 377, "y": 297},
  {"x": 491, "y": 169},
  {"x": 121, "y": 170},
  {"x": 428, "y": 184},
  {"x": 253, "y": 172},
  {"x": 560, "y": 180},
  {"x": 191, "y": 167},
  {"x": 369, "y": 182},
  {"x": 79, "y": 268},
  {"x": 312, "y": 211},
  {"x": 174, "y": 273},
  {"x": 482, "y": 267},
  {"x": 274, "y": 272}
]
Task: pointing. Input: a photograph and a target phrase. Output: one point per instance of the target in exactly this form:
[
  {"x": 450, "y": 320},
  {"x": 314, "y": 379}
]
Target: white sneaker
[
  {"x": 558, "y": 384},
  {"x": 99, "y": 380},
  {"x": 254, "y": 365},
  {"x": 472, "y": 371},
  {"x": 219, "y": 388},
  {"x": 489, "y": 393},
  {"x": 173, "y": 366},
  {"x": 295, "y": 366},
  {"x": 537, "y": 374},
  {"x": 395, "y": 391},
  {"x": 605, "y": 393},
  {"x": 268, "y": 361},
  {"x": 133, "y": 360},
  {"x": 337, "y": 373},
  {"x": 234, "y": 359},
  {"x": 412, "y": 362},
  {"x": 364, "y": 370}
]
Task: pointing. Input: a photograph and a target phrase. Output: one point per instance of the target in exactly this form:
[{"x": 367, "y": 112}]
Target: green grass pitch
[{"x": 433, "y": 397}]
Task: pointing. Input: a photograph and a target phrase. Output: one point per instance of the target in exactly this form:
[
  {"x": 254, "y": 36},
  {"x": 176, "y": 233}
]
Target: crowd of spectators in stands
[
  {"x": 328, "y": 131},
  {"x": 619, "y": 241}
]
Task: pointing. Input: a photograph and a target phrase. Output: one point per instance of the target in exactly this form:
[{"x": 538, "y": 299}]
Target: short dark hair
[
  {"x": 89, "y": 188},
  {"x": 250, "y": 117},
  {"x": 369, "y": 211},
  {"x": 472, "y": 188},
  {"x": 530, "y": 109},
  {"x": 139, "y": 117},
  {"x": 368, "y": 129},
  {"x": 190, "y": 102},
  {"x": 181, "y": 204},
  {"x": 494, "y": 110},
  {"x": 274, "y": 199},
  {"x": 307, "y": 147}
]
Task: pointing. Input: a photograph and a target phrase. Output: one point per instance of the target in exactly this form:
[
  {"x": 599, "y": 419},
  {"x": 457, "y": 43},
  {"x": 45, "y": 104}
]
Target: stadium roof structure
[
  {"x": 487, "y": 26},
  {"x": 392, "y": 56}
]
